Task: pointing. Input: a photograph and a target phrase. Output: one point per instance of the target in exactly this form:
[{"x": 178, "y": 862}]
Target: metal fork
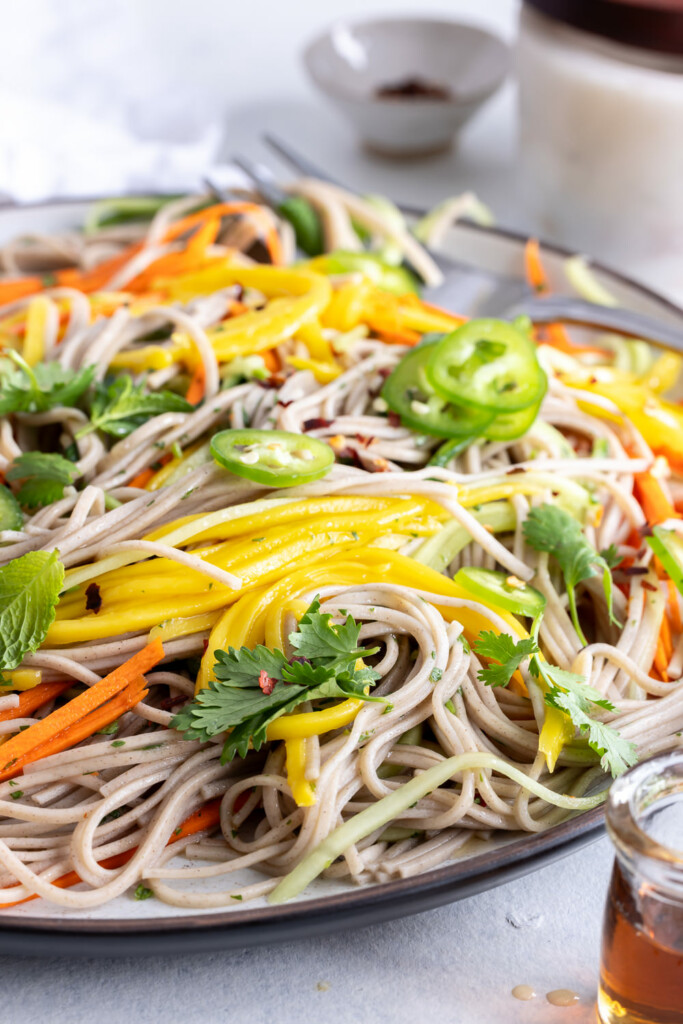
[{"x": 469, "y": 289}]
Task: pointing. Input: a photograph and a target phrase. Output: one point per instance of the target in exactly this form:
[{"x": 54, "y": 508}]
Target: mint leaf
[
  {"x": 29, "y": 590},
  {"x": 549, "y": 528},
  {"x": 503, "y": 649},
  {"x": 43, "y": 477},
  {"x": 120, "y": 407},
  {"x": 25, "y": 388}
]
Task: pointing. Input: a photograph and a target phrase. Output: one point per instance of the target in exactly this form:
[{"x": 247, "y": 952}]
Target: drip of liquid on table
[{"x": 558, "y": 997}]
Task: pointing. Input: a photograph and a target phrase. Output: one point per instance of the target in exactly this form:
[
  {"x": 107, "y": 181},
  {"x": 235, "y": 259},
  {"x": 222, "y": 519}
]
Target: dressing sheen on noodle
[{"x": 300, "y": 575}]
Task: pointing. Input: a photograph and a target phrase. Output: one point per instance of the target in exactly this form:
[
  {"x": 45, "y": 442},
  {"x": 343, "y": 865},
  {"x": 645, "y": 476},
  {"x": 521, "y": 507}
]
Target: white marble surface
[{"x": 170, "y": 70}]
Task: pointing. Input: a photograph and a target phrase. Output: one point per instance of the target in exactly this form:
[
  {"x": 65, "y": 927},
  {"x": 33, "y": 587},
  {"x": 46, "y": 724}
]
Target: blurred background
[{"x": 99, "y": 98}]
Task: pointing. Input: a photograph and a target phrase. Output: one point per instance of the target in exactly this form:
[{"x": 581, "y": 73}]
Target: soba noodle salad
[{"x": 301, "y": 574}]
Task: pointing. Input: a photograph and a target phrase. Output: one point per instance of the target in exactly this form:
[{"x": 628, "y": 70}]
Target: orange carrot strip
[
  {"x": 535, "y": 274},
  {"x": 29, "y": 700},
  {"x": 399, "y": 337},
  {"x": 195, "y": 392},
  {"x": 96, "y": 279},
  {"x": 92, "y": 723},
  {"x": 143, "y": 478},
  {"x": 661, "y": 662},
  {"x": 654, "y": 502},
  {"x": 674, "y": 607},
  {"x": 204, "y": 817},
  {"x": 270, "y": 358},
  {"x": 24, "y": 742},
  {"x": 270, "y": 236},
  {"x": 18, "y": 288}
]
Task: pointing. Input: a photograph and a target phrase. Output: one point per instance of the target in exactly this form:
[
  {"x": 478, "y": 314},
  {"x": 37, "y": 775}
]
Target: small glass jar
[
  {"x": 641, "y": 975},
  {"x": 601, "y": 130}
]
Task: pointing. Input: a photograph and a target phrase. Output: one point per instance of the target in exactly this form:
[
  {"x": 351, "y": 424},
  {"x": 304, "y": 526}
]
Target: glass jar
[
  {"x": 641, "y": 975},
  {"x": 601, "y": 130}
]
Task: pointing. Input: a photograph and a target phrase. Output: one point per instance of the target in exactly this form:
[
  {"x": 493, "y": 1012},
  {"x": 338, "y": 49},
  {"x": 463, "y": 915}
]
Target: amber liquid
[{"x": 641, "y": 978}]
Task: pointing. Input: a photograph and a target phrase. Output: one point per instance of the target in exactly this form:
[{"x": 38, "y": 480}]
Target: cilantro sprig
[
  {"x": 118, "y": 407},
  {"x": 38, "y": 388},
  {"x": 42, "y": 476},
  {"x": 255, "y": 686},
  {"x": 550, "y": 528},
  {"x": 566, "y": 691}
]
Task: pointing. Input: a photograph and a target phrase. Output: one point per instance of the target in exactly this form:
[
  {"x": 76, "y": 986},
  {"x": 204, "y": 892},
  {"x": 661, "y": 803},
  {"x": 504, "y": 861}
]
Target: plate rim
[{"x": 357, "y": 905}]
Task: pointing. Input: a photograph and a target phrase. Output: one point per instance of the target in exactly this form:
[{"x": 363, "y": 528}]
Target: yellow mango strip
[
  {"x": 664, "y": 372},
  {"x": 302, "y": 791},
  {"x": 660, "y": 422},
  {"x": 314, "y": 723},
  {"x": 22, "y": 679},
  {"x": 323, "y": 372},
  {"x": 162, "y": 475},
  {"x": 275, "y": 619},
  {"x": 174, "y": 628},
  {"x": 318, "y": 346},
  {"x": 298, "y": 297},
  {"x": 348, "y": 306},
  {"x": 141, "y": 603},
  {"x": 522, "y": 483},
  {"x": 40, "y": 311},
  {"x": 408, "y": 313},
  {"x": 148, "y": 357},
  {"x": 264, "y": 513}
]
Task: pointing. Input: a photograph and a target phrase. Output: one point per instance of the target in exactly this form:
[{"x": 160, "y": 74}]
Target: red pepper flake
[
  {"x": 266, "y": 683},
  {"x": 93, "y": 599},
  {"x": 206, "y": 644},
  {"x": 317, "y": 423},
  {"x": 649, "y": 586},
  {"x": 394, "y": 419},
  {"x": 364, "y": 441}
]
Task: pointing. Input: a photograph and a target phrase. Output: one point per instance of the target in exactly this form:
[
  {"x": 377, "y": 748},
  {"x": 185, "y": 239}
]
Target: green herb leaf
[
  {"x": 551, "y": 529},
  {"x": 254, "y": 687},
  {"x": 120, "y": 407},
  {"x": 616, "y": 753},
  {"x": 43, "y": 477},
  {"x": 29, "y": 590},
  {"x": 25, "y": 388},
  {"x": 503, "y": 649},
  {"x": 143, "y": 893}
]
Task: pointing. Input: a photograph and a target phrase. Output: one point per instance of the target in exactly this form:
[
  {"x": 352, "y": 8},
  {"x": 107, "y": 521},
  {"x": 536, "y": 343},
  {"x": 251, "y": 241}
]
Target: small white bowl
[{"x": 353, "y": 59}]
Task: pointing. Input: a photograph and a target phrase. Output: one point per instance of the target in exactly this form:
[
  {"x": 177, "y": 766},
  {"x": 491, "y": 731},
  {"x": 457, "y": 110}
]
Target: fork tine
[{"x": 298, "y": 161}]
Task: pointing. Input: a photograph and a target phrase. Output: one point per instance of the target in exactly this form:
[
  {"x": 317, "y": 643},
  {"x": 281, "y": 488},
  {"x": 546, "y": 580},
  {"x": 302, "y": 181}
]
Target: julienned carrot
[
  {"x": 535, "y": 274},
  {"x": 655, "y": 505},
  {"x": 143, "y": 477},
  {"x": 270, "y": 358},
  {"x": 205, "y": 817},
  {"x": 96, "y": 279},
  {"x": 556, "y": 336},
  {"x": 88, "y": 726},
  {"x": 38, "y": 734},
  {"x": 195, "y": 392},
  {"x": 29, "y": 700},
  {"x": 19, "y": 288},
  {"x": 402, "y": 337},
  {"x": 674, "y": 607},
  {"x": 270, "y": 236}
]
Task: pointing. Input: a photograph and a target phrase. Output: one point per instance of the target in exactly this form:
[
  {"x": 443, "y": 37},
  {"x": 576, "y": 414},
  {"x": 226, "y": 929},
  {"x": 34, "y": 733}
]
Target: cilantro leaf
[
  {"x": 508, "y": 653},
  {"x": 43, "y": 477},
  {"x": 318, "y": 638},
  {"x": 25, "y": 388},
  {"x": 558, "y": 677},
  {"x": 611, "y": 556},
  {"x": 120, "y": 407},
  {"x": 235, "y": 700},
  {"x": 551, "y": 529},
  {"x": 29, "y": 590},
  {"x": 616, "y": 753}
]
